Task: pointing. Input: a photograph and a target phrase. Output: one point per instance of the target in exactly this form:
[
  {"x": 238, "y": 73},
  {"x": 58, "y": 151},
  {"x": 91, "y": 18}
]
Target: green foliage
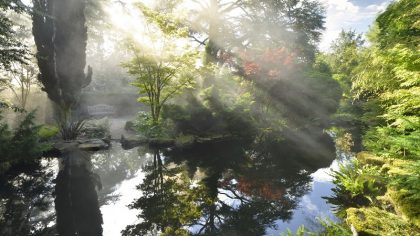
[
  {"x": 47, "y": 132},
  {"x": 296, "y": 24},
  {"x": 169, "y": 231},
  {"x": 369, "y": 158},
  {"x": 389, "y": 142},
  {"x": 24, "y": 142},
  {"x": 343, "y": 140},
  {"x": 151, "y": 129},
  {"x": 329, "y": 228},
  {"x": 165, "y": 19},
  {"x": 12, "y": 49},
  {"x": 391, "y": 81},
  {"x": 300, "y": 232},
  {"x": 71, "y": 129},
  {"x": 168, "y": 201},
  {"x": 199, "y": 120},
  {"x": 129, "y": 126},
  {"x": 404, "y": 188},
  {"x": 375, "y": 221},
  {"x": 19, "y": 80},
  {"x": 385, "y": 80},
  {"x": 359, "y": 180},
  {"x": 324, "y": 90},
  {"x": 207, "y": 116},
  {"x": 344, "y": 59},
  {"x": 21, "y": 143},
  {"x": 399, "y": 24},
  {"x": 356, "y": 185},
  {"x": 160, "y": 77}
]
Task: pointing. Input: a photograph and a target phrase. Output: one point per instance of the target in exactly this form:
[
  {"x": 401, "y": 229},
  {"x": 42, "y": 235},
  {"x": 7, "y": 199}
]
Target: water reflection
[
  {"x": 25, "y": 197},
  {"x": 228, "y": 188},
  {"x": 224, "y": 188},
  {"x": 76, "y": 200}
]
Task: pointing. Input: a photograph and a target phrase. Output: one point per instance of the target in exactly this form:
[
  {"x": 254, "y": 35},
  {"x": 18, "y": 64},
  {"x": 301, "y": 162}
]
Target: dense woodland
[{"x": 246, "y": 72}]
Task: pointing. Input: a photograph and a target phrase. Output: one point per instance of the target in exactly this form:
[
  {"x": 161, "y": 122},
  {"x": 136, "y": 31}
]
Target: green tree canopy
[
  {"x": 11, "y": 49},
  {"x": 160, "y": 77}
]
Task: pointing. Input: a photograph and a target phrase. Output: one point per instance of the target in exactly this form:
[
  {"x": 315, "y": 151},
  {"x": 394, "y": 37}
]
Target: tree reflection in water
[
  {"x": 27, "y": 194},
  {"x": 228, "y": 188},
  {"x": 168, "y": 203},
  {"x": 25, "y": 197},
  {"x": 29, "y": 191},
  {"x": 76, "y": 201}
]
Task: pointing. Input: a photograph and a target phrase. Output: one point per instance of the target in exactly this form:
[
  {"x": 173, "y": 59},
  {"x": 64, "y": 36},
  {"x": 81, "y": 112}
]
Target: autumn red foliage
[
  {"x": 263, "y": 189},
  {"x": 269, "y": 63}
]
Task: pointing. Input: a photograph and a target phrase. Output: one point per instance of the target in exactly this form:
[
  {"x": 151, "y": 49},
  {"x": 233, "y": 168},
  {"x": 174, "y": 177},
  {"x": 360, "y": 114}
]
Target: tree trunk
[{"x": 60, "y": 36}]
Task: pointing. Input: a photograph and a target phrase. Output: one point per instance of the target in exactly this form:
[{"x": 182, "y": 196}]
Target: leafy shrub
[
  {"x": 300, "y": 232},
  {"x": 332, "y": 229},
  {"x": 47, "y": 132},
  {"x": 356, "y": 185},
  {"x": 70, "y": 130},
  {"x": 343, "y": 140},
  {"x": 404, "y": 188},
  {"x": 359, "y": 179},
  {"x": 129, "y": 126},
  {"x": 150, "y": 129},
  {"x": 390, "y": 142},
  {"x": 25, "y": 142},
  {"x": 329, "y": 229},
  {"x": 211, "y": 117},
  {"x": 20, "y": 144}
]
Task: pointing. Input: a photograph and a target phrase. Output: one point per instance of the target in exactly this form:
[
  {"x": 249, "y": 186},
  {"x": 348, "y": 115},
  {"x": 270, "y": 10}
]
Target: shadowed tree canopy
[
  {"x": 11, "y": 49},
  {"x": 296, "y": 24},
  {"x": 60, "y": 36},
  {"x": 225, "y": 25}
]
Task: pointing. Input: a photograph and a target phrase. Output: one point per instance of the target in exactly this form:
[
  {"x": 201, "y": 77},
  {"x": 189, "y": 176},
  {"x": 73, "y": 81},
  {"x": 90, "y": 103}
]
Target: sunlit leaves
[
  {"x": 390, "y": 80},
  {"x": 400, "y": 24},
  {"x": 390, "y": 142},
  {"x": 166, "y": 21},
  {"x": 161, "y": 77}
]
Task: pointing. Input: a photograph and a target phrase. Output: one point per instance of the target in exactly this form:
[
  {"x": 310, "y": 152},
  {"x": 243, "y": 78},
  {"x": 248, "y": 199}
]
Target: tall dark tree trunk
[{"x": 60, "y": 36}]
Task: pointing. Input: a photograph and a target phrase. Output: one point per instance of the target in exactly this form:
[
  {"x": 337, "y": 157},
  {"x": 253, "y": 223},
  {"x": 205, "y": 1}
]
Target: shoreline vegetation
[{"x": 379, "y": 192}]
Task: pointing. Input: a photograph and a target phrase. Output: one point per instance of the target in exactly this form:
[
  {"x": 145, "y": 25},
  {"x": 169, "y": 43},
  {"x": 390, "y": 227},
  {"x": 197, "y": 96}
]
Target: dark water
[{"x": 226, "y": 188}]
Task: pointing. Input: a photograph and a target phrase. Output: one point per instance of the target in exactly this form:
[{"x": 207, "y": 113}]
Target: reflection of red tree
[
  {"x": 264, "y": 189},
  {"x": 271, "y": 63},
  {"x": 251, "y": 68}
]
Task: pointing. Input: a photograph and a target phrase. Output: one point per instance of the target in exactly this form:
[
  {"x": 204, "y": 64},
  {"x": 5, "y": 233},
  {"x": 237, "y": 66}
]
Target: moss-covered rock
[
  {"x": 369, "y": 158},
  {"x": 375, "y": 221},
  {"x": 404, "y": 189},
  {"x": 184, "y": 140},
  {"x": 406, "y": 203}
]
